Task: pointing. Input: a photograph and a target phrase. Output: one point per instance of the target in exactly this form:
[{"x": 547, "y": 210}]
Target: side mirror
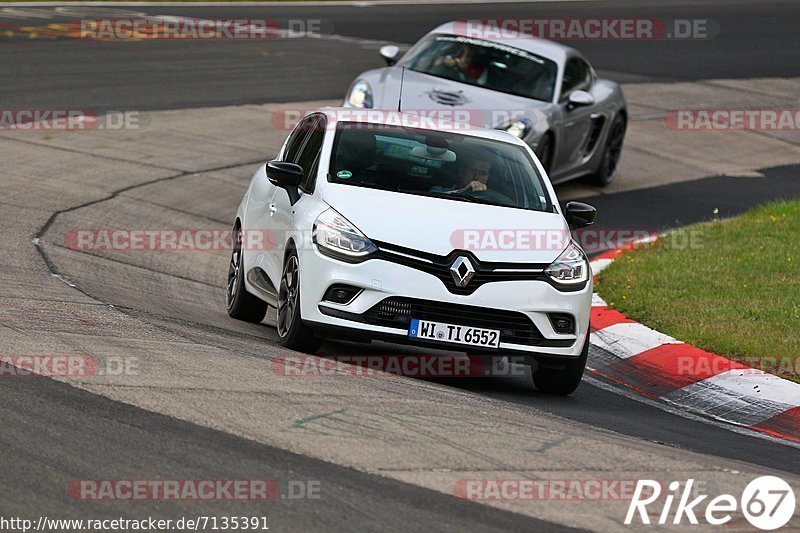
[
  {"x": 580, "y": 215},
  {"x": 580, "y": 98},
  {"x": 389, "y": 53},
  {"x": 286, "y": 176}
]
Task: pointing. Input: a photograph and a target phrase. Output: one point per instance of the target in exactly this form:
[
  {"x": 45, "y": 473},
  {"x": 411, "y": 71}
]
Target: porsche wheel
[{"x": 611, "y": 153}]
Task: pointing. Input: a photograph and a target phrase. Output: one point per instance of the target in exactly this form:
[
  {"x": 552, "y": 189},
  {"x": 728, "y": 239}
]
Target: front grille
[
  {"x": 397, "y": 312},
  {"x": 439, "y": 266}
]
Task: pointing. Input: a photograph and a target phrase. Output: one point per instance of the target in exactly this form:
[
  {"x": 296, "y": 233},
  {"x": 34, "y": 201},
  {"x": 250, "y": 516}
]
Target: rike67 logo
[{"x": 767, "y": 502}]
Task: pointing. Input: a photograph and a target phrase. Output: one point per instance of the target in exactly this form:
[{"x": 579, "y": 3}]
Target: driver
[
  {"x": 470, "y": 64},
  {"x": 473, "y": 173}
]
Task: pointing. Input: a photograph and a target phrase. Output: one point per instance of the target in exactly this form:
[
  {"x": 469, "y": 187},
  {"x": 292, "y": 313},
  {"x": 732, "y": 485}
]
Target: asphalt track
[{"x": 53, "y": 432}]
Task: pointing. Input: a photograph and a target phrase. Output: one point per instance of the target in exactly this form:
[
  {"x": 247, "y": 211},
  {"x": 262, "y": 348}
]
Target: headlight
[
  {"x": 571, "y": 267},
  {"x": 335, "y": 234},
  {"x": 518, "y": 128},
  {"x": 360, "y": 95}
]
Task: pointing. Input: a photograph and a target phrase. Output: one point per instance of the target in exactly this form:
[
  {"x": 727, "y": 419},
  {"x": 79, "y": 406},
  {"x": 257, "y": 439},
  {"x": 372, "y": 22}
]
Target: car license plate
[{"x": 438, "y": 331}]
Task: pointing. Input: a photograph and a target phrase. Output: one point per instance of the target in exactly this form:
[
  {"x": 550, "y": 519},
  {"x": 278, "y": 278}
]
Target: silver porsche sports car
[{"x": 541, "y": 91}]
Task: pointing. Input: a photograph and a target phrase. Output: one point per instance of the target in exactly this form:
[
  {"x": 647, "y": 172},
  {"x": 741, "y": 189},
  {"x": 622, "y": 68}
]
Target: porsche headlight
[
  {"x": 335, "y": 235},
  {"x": 518, "y": 128},
  {"x": 570, "y": 268},
  {"x": 360, "y": 95}
]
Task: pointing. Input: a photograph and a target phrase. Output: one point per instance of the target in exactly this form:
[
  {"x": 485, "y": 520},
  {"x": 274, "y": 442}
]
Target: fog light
[
  {"x": 562, "y": 323},
  {"x": 341, "y": 294}
]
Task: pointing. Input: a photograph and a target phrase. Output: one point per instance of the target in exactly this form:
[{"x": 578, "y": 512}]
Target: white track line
[
  {"x": 630, "y": 338},
  {"x": 683, "y": 413}
]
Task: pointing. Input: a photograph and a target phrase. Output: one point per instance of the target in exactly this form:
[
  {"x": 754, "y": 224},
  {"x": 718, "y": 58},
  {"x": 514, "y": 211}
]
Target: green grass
[{"x": 730, "y": 287}]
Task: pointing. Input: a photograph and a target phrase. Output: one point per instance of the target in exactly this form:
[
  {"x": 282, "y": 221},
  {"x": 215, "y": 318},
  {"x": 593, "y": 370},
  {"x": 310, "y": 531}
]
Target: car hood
[
  {"x": 481, "y": 107},
  {"x": 439, "y": 226}
]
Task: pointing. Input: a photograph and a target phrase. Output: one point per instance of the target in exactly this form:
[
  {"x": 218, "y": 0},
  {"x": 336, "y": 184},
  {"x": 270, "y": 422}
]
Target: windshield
[
  {"x": 439, "y": 164},
  {"x": 486, "y": 64}
]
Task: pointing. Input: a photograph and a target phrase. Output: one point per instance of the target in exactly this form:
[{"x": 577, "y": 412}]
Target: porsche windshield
[
  {"x": 439, "y": 164},
  {"x": 485, "y": 64}
]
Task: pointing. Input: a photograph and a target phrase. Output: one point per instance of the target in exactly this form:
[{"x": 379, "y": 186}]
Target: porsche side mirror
[
  {"x": 286, "y": 176},
  {"x": 389, "y": 53},
  {"x": 580, "y": 99},
  {"x": 580, "y": 215}
]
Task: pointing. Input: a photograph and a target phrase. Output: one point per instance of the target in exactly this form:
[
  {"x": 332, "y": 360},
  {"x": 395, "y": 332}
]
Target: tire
[
  {"x": 545, "y": 152},
  {"x": 241, "y": 304},
  {"x": 611, "y": 153},
  {"x": 562, "y": 382},
  {"x": 292, "y": 333}
]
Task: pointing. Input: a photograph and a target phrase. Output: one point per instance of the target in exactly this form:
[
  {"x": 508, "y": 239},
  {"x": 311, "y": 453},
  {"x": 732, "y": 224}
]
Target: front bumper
[{"x": 381, "y": 280}]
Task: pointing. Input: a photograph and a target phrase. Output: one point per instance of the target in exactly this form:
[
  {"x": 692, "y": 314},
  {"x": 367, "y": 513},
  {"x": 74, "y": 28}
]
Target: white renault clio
[{"x": 412, "y": 229}]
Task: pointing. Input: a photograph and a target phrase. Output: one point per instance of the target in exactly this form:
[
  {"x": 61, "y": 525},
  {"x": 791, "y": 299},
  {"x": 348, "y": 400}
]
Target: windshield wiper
[
  {"x": 366, "y": 185},
  {"x": 454, "y": 195},
  {"x": 468, "y": 198}
]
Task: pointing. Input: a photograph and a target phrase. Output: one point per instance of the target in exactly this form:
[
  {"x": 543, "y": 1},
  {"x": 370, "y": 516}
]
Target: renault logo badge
[{"x": 462, "y": 271}]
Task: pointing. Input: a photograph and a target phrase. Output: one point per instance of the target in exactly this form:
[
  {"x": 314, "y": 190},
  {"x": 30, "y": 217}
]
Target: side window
[
  {"x": 309, "y": 155},
  {"x": 577, "y": 76},
  {"x": 296, "y": 138}
]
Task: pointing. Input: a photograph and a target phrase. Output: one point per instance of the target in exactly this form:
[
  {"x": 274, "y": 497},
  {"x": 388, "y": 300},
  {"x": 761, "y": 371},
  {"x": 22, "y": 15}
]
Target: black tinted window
[
  {"x": 487, "y": 64},
  {"x": 577, "y": 76},
  {"x": 297, "y": 137},
  {"x": 438, "y": 164},
  {"x": 309, "y": 155}
]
